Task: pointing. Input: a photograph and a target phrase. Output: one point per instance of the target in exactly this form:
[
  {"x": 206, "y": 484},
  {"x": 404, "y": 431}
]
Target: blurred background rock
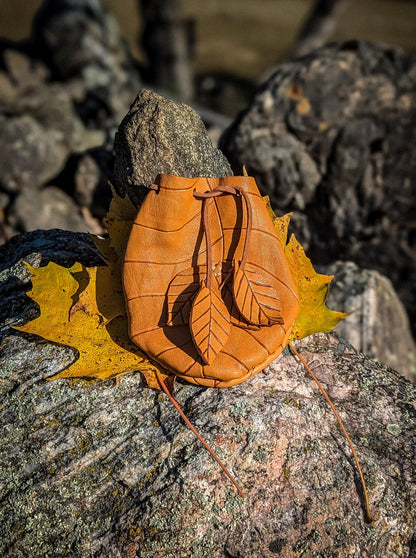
[
  {"x": 327, "y": 131},
  {"x": 237, "y": 42}
]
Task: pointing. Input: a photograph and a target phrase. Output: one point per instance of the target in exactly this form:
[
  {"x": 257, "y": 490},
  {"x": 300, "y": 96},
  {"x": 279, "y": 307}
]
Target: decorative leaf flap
[
  {"x": 181, "y": 292},
  {"x": 255, "y": 296},
  {"x": 183, "y": 289},
  {"x": 228, "y": 297},
  {"x": 210, "y": 323}
]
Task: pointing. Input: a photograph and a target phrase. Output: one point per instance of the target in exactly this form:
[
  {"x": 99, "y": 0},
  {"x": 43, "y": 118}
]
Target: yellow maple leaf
[
  {"x": 85, "y": 309},
  {"x": 72, "y": 318},
  {"x": 118, "y": 223},
  {"x": 314, "y": 316}
]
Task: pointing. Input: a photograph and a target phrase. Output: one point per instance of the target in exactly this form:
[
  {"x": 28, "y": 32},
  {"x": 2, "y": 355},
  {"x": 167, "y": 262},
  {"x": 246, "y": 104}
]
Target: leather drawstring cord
[{"x": 206, "y": 198}]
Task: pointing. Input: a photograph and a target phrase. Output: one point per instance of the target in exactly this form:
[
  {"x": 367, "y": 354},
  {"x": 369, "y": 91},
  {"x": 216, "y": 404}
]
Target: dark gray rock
[
  {"x": 161, "y": 136},
  {"x": 77, "y": 35},
  {"x": 49, "y": 208},
  {"x": 92, "y": 188},
  {"x": 332, "y": 136},
  {"x": 30, "y": 156},
  {"x": 7, "y": 89},
  {"x": 37, "y": 248},
  {"x": 52, "y": 106},
  {"x": 81, "y": 40},
  {"x": 25, "y": 73},
  {"x": 62, "y": 92},
  {"x": 38, "y": 132},
  {"x": 62, "y": 247},
  {"x": 378, "y": 325}
]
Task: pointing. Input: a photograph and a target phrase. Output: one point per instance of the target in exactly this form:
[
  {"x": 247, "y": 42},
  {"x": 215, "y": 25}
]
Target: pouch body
[{"x": 166, "y": 262}]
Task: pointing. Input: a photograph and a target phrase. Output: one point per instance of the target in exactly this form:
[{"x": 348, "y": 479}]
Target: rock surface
[
  {"x": 92, "y": 470},
  {"x": 19, "y": 73},
  {"x": 93, "y": 170},
  {"x": 27, "y": 155},
  {"x": 378, "y": 325},
  {"x": 331, "y": 136}
]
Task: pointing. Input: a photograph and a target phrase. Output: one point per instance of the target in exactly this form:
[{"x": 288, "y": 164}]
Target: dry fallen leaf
[
  {"x": 314, "y": 316},
  {"x": 73, "y": 318}
]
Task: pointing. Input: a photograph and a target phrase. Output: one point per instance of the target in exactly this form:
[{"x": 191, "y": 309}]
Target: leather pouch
[{"x": 208, "y": 290}]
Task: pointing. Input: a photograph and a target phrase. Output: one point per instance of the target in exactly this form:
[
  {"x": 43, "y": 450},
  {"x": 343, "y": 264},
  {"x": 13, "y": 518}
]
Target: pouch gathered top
[{"x": 208, "y": 290}]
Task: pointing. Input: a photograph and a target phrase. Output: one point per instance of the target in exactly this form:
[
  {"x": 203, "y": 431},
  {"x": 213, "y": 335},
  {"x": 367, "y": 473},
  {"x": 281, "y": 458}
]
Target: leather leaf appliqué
[
  {"x": 235, "y": 316},
  {"x": 180, "y": 295},
  {"x": 209, "y": 323},
  {"x": 256, "y": 299}
]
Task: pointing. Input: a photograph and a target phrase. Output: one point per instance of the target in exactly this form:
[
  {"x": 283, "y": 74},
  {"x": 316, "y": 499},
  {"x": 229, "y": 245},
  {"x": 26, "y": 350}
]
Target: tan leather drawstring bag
[{"x": 208, "y": 289}]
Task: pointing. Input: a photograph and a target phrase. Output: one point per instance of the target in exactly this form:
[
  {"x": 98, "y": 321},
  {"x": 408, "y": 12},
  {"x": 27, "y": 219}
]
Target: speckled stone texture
[
  {"x": 332, "y": 136},
  {"x": 91, "y": 470},
  {"x": 160, "y": 136}
]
